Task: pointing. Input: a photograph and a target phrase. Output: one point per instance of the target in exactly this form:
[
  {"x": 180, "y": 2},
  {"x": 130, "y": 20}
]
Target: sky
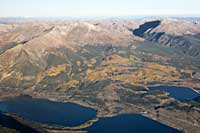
[{"x": 97, "y": 8}]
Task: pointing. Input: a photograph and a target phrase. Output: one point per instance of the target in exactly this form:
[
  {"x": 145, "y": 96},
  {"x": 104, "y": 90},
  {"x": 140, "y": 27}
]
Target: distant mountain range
[{"x": 5, "y": 20}]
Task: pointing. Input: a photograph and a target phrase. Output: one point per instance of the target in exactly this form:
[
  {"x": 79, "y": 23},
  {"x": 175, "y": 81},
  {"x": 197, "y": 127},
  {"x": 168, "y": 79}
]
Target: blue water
[
  {"x": 70, "y": 114},
  {"x": 45, "y": 111},
  {"x": 180, "y": 93},
  {"x": 129, "y": 123}
]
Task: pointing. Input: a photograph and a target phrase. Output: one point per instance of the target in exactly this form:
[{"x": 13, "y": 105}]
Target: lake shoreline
[
  {"x": 157, "y": 85},
  {"x": 81, "y": 126}
]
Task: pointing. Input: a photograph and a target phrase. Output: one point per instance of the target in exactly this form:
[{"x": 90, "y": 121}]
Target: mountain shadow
[{"x": 146, "y": 26}]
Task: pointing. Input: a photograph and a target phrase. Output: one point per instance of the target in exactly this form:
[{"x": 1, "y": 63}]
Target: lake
[
  {"x": 129, "y": 123},
  {"x": 180, "y": 93},
  {"x": 70, "y": 114},
  {"x": 50, "y": 112}
]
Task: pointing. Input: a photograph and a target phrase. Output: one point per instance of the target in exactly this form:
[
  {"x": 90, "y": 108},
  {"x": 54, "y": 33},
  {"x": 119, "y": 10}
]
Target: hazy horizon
[{"x": 94, "y": 8}]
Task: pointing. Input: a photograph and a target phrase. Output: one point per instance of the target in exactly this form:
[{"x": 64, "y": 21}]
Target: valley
[{"x": 106, "y": 65}]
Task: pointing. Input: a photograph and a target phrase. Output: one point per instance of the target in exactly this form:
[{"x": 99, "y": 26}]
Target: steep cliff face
[{"x": 172, "y": 33}]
